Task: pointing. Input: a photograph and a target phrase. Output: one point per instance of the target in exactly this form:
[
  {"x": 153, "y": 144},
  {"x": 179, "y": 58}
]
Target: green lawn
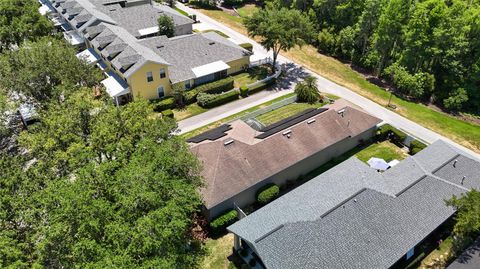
[
  {"x": 383, "y": 150},
  {"x": 188, "y": 111},
  {"x": 254, "y": 74},
  {"x": 234, "y": 116},
  {"x": 247, "y": 10},
  {"x": 286, "y": 111},
  {"x": 216, "y": 31},
  {"x": 443, "y": 252},
  {"x": 467, "y": 134},
  {"x": 218, "y": 251},
  {"x": 181, "y": 12}
]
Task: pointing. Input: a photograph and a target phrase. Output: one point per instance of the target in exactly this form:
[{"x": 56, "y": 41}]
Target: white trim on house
[
  {"x": 73, "y": 38},
  {"x": 115, "y": 85},
  {"x": 44, "y": 10},
  {"x": 148, "y": 31},
  {"x": 89, "y": 55},
  {"x": 210, "y": 68}
]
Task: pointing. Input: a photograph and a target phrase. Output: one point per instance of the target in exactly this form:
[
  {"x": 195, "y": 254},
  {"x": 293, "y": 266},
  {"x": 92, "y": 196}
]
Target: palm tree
[{"x": 307, "y": 90}]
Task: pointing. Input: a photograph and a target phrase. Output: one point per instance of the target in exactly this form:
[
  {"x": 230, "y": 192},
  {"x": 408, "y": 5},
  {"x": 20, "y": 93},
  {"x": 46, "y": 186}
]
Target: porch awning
[
  {"x": 73, "y": 38},
  {"x": 115, "y": 85},
  {"x": 148, "y": 31},
  {"x": 89, "y": 55},
  {"x": 210, "y": 68},
  {"x": 44, "y": 9}
]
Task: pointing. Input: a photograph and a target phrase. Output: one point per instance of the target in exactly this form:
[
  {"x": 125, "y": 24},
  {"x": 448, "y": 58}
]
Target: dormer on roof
[
  {"x": 93, "y": 31},
  {"x": 81, "y": 19},
  {"x": 103, "y": 39},
  {"x": 74, "y": 11},
  {"x": 114, "y": 49}
]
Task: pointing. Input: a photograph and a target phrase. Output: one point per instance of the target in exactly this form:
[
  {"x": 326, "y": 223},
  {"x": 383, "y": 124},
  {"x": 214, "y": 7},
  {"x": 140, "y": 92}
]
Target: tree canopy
[
  {"x": 279, "y": 28},
  {"x": 166, "y": 26},
  {"x": 37, "y": 69},
  {"x": 100, "y": 187},
  {"x": 307, "y": 90},
  {"x": 429, "y": 49},
  {"x": 468, "y": 213},
  {"x": 20, "y": 21}
]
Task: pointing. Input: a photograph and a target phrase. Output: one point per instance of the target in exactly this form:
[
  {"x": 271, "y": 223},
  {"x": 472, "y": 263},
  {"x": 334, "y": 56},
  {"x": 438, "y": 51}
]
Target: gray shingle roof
[
  {"x": 371, "y": 230},
  {"x": 140, "y": 17},
  {"x": 187, "y": 52},
  {"x": 135, "y": 50},
  {"x": 464, "y": 167},
  {"x": 321, "y": 225}
]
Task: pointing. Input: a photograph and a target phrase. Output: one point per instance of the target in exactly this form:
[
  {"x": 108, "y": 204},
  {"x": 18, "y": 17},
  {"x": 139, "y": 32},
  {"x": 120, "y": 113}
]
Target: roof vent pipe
[
  {"x": 311, "y": 121},
  {"x": 463, "y": 179},
  {"x": 455, "y": 163},
  {"x": 228, "y": 142},
  {"x": 287, "y": 132}
]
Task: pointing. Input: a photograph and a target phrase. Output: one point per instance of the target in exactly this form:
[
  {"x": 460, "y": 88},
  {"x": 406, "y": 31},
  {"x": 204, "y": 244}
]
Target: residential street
[{"x": 324, "y": 84}]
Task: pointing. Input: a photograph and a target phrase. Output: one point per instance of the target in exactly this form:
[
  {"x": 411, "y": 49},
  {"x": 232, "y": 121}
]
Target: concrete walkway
[
  {"x": 323, "y": 83},
  {"x": 229, "y": 109}
]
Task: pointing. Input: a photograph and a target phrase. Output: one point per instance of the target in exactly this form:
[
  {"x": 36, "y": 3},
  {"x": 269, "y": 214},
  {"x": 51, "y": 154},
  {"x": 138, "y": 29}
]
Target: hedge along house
[
  {"x": 352, "y": 216},
  {"x": 122, "y": 38},
  {"x": 238, "y": 160}
]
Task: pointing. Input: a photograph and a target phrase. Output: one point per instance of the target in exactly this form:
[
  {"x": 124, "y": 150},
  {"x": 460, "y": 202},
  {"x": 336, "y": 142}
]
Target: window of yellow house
[
  {"x": 149, "y": 76},
  {"x": 161, "y": 92},
  {"x": 162, "y": 73}
]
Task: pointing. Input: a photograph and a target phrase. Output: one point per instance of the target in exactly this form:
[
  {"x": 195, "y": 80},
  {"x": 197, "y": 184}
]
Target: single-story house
[
  {"x": 352, "y": 216},
  {"x": 238, "y": 160}
]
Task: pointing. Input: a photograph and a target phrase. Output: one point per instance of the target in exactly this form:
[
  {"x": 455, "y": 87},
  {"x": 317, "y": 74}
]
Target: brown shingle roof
[{"x": 228, "y": 170}]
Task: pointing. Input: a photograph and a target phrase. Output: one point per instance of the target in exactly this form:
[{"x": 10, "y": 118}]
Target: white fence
[{"x": 268, "y": 60}]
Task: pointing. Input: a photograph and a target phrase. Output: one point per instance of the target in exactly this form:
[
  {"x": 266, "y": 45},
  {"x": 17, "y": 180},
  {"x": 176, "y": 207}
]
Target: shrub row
[
  {"x": 261, "y": 86},
  {"x": 212, "y": 100},
  {"x": 416, "y": 146},
  {"x": 247, "y": 46},
  {"x": 218, "y": 86},
  {"x": 215, "y": 87},
  {"x": 267, "y": 193},
  {"x": 167, "y": 113},
  {"x": 190, "y": 96},
  {"x": 219, "y": 224},
  {"x": 163, "y": 104},
  {"x": 389, "y": 132},
  {"x": 244, "y": 91}
]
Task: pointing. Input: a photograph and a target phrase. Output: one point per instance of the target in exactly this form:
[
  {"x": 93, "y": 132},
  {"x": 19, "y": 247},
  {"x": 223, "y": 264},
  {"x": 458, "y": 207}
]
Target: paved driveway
[{"x": 323, "y": 83}]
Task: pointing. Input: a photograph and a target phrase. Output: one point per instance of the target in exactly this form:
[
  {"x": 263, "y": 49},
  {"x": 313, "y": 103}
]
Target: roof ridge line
[
  {"x": 269, "y": 233},
  {"x": 431, "y": 174},
  {"x": 342, "y": 203},
  {"x": 445, "y": 163}
]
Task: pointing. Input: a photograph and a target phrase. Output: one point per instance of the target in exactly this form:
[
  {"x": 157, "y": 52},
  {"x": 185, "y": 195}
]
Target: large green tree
[
  {"x": 20, "y": 21},
  {"x": 166, "y": 26},
  {"x": 107, "y": 187},
  {"x": 468, "y": 213},
  {"x": 307, "y": 90},
  {"x": 425, "y": 41},
  {"x": 37, "y": 68},
  {"x": 279, "y": 28}
]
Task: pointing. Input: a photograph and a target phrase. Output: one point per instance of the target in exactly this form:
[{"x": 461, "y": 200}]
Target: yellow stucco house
[{"x": 122, "y": 39}]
